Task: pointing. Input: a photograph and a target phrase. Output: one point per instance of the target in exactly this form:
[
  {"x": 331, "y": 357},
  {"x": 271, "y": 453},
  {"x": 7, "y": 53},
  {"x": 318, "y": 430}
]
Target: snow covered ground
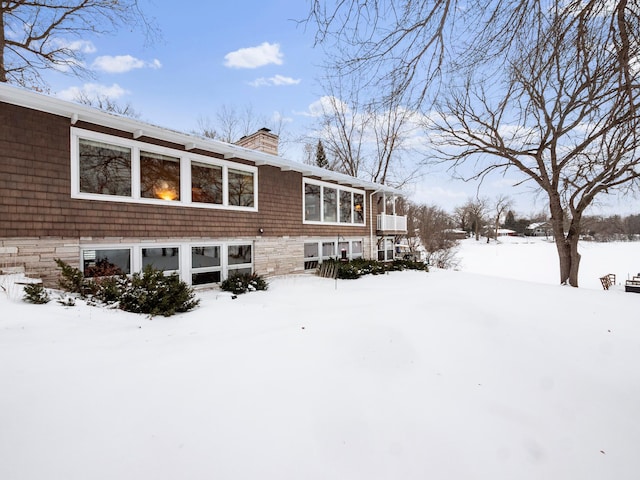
[{"x": 472, "y": 374}]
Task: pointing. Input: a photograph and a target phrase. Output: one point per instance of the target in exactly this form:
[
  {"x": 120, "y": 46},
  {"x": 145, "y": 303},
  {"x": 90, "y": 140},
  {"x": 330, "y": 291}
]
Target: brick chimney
[{"x": 262, "y": 140}]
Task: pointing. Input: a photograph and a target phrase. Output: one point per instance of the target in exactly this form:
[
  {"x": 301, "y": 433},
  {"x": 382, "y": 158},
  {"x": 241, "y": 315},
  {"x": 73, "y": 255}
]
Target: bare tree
[
  {"x": 403, "y": 46},
  {"x": 108, "y": 104},
  {"x": 364, "y": 139},
  {"x": 37, "y": 35},
  {"x": 563, "y": 118},
  {"x": 473, "y": 213},
  {"x": 230, "y": 124},
  {"x": 430, "y": 224},
  {"x": 501, "y": 204},
  {"x": 342, "y": 127}
]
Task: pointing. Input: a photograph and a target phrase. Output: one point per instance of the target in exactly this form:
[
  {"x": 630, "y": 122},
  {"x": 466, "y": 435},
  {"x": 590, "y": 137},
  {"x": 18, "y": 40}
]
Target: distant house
[
  {"x": 455, "y": 234},
  {"x": 539, "y": 229},
  {"x": 91, "y": 187},
  {"x": 502, "y": 232}
]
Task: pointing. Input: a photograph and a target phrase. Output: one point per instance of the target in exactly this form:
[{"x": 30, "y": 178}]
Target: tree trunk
[
  {"x": 567, "y": 245},
  {"x": 3, "y": 69}
]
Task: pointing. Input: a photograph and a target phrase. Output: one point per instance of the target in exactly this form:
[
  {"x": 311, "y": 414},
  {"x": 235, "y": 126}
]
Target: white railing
[{"x": 395, "y": 223}]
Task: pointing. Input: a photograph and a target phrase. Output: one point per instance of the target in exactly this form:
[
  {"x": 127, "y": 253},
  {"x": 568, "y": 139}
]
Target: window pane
[
  {"x": 330, "y": 205},
  {"x": 345, "y": 207},
  {"x": 161, "y": 258},
  {"x": 205, "y": 277},
  {"x": 240, "y": 188},
  {"x": 239, "y": 271},
  {"x": 159, "y": 176},
  {"x": 356, "y": 247},
  {"x": 205, "y": 257},
  {"x": 105, "y": 262},
  {"x": 389, "y": 248},
  {"x": 389, "y": 207},
  {"x": 311, "y": 250},
  {"x": 206, "y": 183},
  {"x": 104, "y": 169},
  {"x": 358, "y": 208},
  {"x": 312, "y": 202},
  {"x": 328, "y": 249},
  {"x": 239, "y": 254}
]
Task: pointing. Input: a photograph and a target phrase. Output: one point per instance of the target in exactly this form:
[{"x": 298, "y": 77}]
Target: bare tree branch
[{"x": 41, "y": 35}]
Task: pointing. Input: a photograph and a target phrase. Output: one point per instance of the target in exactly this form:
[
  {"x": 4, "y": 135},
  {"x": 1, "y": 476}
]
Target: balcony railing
[{"x": 392, "y": 223}]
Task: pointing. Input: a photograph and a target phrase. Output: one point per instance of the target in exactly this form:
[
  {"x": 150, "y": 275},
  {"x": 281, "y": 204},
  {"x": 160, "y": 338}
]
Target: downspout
[{"x": 371, "y": 222}]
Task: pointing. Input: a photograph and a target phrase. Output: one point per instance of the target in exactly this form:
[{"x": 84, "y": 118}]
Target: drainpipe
[{"x": 371, "y": 222}]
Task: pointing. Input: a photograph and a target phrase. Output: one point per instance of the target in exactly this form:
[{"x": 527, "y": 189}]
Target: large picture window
[
  {"x": 358, "y": 208},
  {"x": 117, "y": 169},
  {"x": 240, "y": 188},
  {"x": 104, "y": 169},
  {"x": 206, "y": 183},
  {"x": 159, "y": 176},
  {"x": 312, "y": 202},
  {"x": 345, "y": 206},
  {"x": 329, "y": 203}
]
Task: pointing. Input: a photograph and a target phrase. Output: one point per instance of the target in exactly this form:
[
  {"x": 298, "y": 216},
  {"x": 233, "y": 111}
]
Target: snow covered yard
[{"x": 411, "y": 375}]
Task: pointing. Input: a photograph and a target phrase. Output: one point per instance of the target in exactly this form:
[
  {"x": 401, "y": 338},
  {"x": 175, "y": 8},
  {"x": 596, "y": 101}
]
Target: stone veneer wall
[{"x": 36, "y": 256}]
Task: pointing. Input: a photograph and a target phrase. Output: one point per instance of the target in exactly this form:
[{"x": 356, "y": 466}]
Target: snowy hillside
[{"x": 410, "y": 375}]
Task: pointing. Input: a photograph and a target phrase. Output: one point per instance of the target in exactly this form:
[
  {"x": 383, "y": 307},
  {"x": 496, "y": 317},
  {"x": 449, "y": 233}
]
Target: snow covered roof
[{"x": 75, "y": 112}]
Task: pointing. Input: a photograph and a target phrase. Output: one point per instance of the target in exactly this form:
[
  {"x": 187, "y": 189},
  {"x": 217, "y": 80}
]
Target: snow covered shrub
[
  {"x": 409, "y": 265},
  {"x": 36, "y": 293},
  {"x": 72, "y": 279},
  {"x": 67, "y": 301},
  {"x": 369, "y": 267},
  {"x": 244, "y": 282},
  {"x": 445, "y": 258},
  {"x": 153, "y": 293},
  {"x": 348, "y": 271},
  {"x": 108, "y": 290}
]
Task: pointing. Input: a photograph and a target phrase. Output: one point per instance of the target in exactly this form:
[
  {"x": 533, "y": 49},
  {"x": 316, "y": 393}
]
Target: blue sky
[
  {"x": 242, "y": 54},
  {"x": 211, "y": 54}
]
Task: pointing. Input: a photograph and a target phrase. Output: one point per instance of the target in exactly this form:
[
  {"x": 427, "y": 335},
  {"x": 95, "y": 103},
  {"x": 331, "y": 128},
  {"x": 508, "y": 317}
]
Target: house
[
  {"x": 501, "y": 232},
  {"x": 93, "y": 188},
  {"x": 455, "y": 234},
  {"x": 539, "y": 229}
]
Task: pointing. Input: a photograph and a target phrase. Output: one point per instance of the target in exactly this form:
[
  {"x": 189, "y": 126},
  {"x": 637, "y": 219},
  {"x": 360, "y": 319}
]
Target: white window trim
[
  {"x": 338, "y": 188},
  {"x": 185, "y": 173}
]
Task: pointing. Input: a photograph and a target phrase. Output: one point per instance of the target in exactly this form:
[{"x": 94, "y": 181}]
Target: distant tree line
[{"x": 437, "y": 231}]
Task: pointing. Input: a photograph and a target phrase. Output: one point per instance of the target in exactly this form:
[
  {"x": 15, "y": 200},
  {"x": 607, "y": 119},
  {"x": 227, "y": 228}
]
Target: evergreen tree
[
  {"x": 321, "y": 156},
  {"x": 510, "y": 220}
]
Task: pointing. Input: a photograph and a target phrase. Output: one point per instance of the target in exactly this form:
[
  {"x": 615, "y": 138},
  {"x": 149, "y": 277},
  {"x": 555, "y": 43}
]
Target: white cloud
[
  {"x": 279, "y": 118},
  {"x": 275, "y": 81},
  {"x": 92, "y": 90},
  {"x": 83, "y": 46},
  {"x": 254, "y": 57},
  {"x": 324, "y": 105},
  {"x": 122, "y": 63}
]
